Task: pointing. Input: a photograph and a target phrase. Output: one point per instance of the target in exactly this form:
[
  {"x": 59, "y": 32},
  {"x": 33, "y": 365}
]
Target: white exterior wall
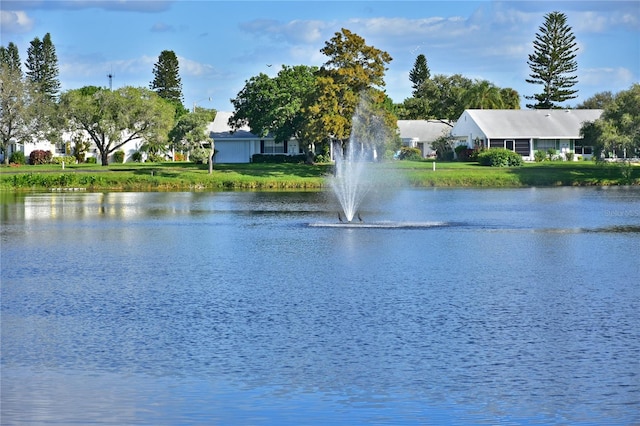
[
  {"x": 236, "y": 151},
  {"x": 466, "y": 131}
]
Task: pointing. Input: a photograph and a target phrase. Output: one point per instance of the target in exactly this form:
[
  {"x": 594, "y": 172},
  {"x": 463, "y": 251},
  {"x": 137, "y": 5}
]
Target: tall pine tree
[
  {"x": 42, "y": 67},
  {"x": 553, "y": 63},
  {"x": 420, "y": 73},
  {"x": 166, "y": 78}
]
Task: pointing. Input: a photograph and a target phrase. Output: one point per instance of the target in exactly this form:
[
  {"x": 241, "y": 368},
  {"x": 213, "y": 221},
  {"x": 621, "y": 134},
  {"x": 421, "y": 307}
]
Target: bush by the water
[{"x": 500, "y": 157}]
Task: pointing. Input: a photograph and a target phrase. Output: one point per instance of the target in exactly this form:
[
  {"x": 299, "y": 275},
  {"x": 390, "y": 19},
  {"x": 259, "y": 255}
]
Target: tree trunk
[
  {"x": 211, "y": 154},
  {"x": 104, "y": 155}
]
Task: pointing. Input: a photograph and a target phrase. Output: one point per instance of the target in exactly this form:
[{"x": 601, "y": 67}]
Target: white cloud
[
  {"x": 195, "y": 69},
  {"x": 608, "y": 77},
  {"x": 85, "y": 67},
  {"x": 293, "y": 32},
  {"x": 15, "y": 22},
  {"x": 161, "y": 27},
  {"x": 590, "y": 22}
]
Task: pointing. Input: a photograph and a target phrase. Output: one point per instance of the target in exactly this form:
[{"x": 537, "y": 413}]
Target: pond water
[{"x": 515, "y": 306}]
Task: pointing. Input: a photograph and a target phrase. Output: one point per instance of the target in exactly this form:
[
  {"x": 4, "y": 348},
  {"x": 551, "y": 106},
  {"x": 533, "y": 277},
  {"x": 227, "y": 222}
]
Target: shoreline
[{"x": 151, "y": 177}]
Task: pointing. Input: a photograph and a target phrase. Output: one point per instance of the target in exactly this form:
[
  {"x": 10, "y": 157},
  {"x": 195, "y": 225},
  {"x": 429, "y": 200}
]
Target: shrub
[
  {"x": 91, "y": 160},
  {"x": 443, "y": 147},
  {"x": 156, "y": 158},
  {"x": 17, "y": 158},
  {"x": 199, "y": 156},
  {"x": 137, "y": 157},
  {"x": 464, "y": 153},
  {"x": 40, "y": 156},
  {"x": 569, "y": 156},
  {"x": 500, "y": 157},
  {"x": 67, "y": 159},
  {"x": 118, "y": 156},
  {"x": 539, "y": 156},
  {"x": 180, "y": 157},
  {"x": 321, "y": 158},
  {"x": 408, "y": 153},
  {"x": 278, "y": 158}
]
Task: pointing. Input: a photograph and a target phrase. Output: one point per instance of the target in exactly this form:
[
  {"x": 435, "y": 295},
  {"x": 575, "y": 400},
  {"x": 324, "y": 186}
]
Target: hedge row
[{"x": 278, "y": 158}]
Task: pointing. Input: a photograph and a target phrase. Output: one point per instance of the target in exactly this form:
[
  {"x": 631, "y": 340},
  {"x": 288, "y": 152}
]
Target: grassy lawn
[{"x": 266, "y": 176}]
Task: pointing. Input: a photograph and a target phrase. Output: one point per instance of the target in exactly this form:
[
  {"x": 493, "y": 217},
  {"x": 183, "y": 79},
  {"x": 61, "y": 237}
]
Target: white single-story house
[
  {"x": 421, "y": 133},
  {"x": 525, "y": 131},
  {"x": 65, "y": 148},
  {"x": 239, "y": 146}
]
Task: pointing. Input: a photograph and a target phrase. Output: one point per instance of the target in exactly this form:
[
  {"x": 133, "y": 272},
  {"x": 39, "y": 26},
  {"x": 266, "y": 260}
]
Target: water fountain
[
  {"x": 355, "y": 179},
  {"x": 351, "y": 181}
]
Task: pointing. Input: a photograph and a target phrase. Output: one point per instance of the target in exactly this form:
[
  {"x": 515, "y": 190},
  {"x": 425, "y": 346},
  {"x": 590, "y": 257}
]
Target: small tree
[
  {"x": 553, "y": 62},
  {"x": 189, "y": 134}
]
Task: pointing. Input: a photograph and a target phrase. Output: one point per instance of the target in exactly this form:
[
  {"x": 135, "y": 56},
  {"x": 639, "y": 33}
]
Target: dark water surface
[{"x": 489, "y": 307}]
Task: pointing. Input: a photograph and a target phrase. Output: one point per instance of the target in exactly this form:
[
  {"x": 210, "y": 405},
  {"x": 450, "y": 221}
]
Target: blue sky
[{"x": 222, "y": 44}]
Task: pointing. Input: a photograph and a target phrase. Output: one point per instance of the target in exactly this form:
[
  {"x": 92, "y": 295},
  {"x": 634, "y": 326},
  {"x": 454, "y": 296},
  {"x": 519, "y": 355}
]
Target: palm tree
[{"x": 483, "y": 95}]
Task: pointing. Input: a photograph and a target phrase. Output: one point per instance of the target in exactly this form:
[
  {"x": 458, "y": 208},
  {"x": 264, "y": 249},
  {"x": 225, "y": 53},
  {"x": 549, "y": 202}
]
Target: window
[
  {"x": 545, "y": 144},
  {"x": 61, "y": 148},
  {"x": 270, "y": 147},
  {"x": 584, "y": 150}
]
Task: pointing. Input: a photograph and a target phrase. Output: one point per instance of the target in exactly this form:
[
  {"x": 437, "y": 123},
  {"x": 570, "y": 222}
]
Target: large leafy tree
[
  {"x": 166, "y": 79},
  {"x": 14, "y": 108},
  {"x": 445, "y": 95},
  {"x": 618, "y": 129},
  {"x": 276, "y": 105},
  {"x": 113, "y": 118},
  {"x": 419, "y": 73},
  {"x": 598, "y": 101},
  {"x": 354, "y": 69},
  {"x": 553, "y": 63}
]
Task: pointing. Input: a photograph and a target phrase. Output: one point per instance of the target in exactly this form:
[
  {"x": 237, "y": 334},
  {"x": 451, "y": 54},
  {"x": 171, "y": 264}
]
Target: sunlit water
[{"x": 506, "y": 307}]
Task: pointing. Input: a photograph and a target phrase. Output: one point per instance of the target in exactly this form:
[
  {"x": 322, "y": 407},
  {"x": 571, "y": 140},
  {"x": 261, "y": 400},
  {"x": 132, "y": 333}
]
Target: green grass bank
[{"x": 182, "y": 176}]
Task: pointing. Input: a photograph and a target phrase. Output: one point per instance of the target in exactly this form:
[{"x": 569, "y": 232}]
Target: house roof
[
  {"x": 219, "y": 128},
  {"x": 533, "y": 123},
  {"x": 423, "y": 130}
]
